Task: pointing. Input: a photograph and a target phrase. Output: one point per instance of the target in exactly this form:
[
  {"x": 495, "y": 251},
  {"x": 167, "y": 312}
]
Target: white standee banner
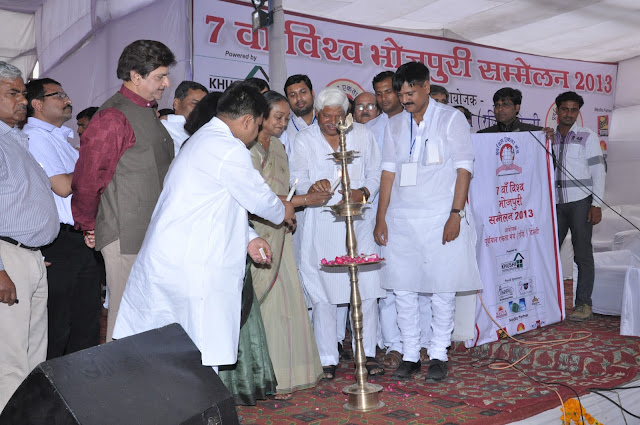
[
  {"x": 512, "y": 198},
  {"x": 348, "y": 56}
]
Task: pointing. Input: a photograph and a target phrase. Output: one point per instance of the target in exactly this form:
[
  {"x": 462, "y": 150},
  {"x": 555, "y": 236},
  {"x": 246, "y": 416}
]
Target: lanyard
[
  {"x": 297, "y": 129},
  {"x": 412, "y": 141}
]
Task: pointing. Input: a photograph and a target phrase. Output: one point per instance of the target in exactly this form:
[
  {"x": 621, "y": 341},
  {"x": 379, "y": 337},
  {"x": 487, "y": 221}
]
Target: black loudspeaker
[{"x": 153, "y": 378}]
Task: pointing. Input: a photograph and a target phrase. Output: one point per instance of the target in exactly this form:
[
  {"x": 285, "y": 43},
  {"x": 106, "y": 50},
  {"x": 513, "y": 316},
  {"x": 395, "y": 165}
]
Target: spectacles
[
  {"x": 502, "y": 105},
  {"x": 57, "y": 94},
  {"x": 368, "y": 106}
]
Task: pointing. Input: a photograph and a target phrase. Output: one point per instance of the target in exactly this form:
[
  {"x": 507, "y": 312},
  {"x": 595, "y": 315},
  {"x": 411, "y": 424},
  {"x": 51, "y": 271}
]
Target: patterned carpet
[{"x": 473, "y": 394}]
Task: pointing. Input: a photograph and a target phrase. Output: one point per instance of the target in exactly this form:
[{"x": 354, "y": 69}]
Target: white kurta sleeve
[
  {"x": 245, "y": 184},
  {"x": 299, "y": 164},
  {"x": 388, "y": 150},
  {"x": 252, "y": 234},
  {"x": 372, "y": 165},
  {"x": 459, "y": 140}
]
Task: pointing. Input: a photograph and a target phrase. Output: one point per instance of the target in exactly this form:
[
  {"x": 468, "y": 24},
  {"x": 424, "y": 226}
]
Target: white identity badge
[{"x": 409, "y": 174}]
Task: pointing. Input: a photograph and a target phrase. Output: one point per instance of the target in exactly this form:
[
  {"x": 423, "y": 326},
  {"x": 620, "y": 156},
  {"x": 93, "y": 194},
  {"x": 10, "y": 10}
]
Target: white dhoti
[
  {"x": 409, "y": 320},
  {"x": 325, "y": 316},
  {"x": 389, "y": 337}
]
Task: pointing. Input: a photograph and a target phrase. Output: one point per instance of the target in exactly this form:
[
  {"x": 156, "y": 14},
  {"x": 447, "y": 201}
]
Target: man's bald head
[{"x": 365, "y": 107}]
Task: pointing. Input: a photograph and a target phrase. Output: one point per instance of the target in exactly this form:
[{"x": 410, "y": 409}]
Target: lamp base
[{"x": 363, "y": 399}]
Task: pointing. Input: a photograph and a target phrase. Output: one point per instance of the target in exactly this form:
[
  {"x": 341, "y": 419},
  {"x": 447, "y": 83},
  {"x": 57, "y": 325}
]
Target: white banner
[
  {"x": 512, "y": 197},
  {"x": 349, "y": 56}
]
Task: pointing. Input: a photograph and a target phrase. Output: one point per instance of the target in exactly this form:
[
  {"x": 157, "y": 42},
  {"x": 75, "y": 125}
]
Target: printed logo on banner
[
  {"x": 535, "y": 301},
  {"x": 506, "y": 150},
  {"x": 603, "y": 125},
  {"x": 505, "y": 292},
  {"x": 514, "y": 307},
  {"x": 257, "y": 72},
  {"x": 501, "y": 311},
  {"x": 525, "y": 287},
  {"x": 220, "y": 83},
  {"x": 349, "y": 87},
  {"x": 502, "y": 333},
  {"x": 521, "y": 327},
  {"x": 512, "y": 263},
  {"x": 518, "y": 306}
]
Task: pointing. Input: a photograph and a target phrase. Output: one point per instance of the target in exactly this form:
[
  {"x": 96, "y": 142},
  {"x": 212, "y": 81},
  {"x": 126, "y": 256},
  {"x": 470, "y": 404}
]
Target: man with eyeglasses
[
  {"x": 28, "y": 221},
  {"x": 74, "y": 288},
  {"x": 124, "y": 157},
  {"x": 365, "y": 107},
  {"x": 506, "y": 107}
]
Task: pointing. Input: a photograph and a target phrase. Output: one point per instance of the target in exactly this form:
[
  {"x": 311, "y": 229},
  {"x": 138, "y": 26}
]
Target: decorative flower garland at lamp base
[{"x": 574, "y": 413}]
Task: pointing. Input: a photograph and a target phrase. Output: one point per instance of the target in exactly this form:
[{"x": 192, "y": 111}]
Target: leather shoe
[
  {"x": 343, "y": 353},
  {"x": 437, "y": 371},
  {"x": 406, "y": 369}
]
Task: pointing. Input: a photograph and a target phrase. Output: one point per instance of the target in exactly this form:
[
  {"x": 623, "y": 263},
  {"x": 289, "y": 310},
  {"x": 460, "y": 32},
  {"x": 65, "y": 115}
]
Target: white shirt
[
  {"x": 175, "y": 126},
  {"x": 50, "y": 146},
  {"x": 324, "y": 234},
  {"x": 441, "y": 127},
  {"x": 581, "y": 155},
  {"x": 377, "y": 126},
  {"x": 191, "y": 266},
  {"x": 296, "y": 124},
  {"x": 416, "y": 259}
]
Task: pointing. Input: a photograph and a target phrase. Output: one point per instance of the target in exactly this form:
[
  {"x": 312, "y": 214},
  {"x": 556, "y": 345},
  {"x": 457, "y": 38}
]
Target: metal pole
[{"x": 277, "y": 47}]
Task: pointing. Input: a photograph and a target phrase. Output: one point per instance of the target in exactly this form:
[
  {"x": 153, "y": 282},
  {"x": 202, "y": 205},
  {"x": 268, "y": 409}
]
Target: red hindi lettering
[
  {"x": 391, "y": 56},
  {"x": 301, "y": 38},
  {"x": 247, "y": 37}
]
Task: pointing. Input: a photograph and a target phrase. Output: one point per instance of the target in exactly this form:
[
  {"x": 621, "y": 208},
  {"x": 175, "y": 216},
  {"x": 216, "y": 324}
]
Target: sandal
[
  {"x": 283, "y": 396},
  {"x": 329, "y": 372},
  {"x": 393, "y": 359},
  {"x": 424, "y": 355},
  {"x": 373, "y": 367}
]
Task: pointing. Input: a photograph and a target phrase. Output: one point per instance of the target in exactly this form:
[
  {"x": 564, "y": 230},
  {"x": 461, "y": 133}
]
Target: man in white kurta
[
  {"x": 324, "y": 235},
  {"x": 191, "y": 266},
  {"x": 427, "y": 239}
]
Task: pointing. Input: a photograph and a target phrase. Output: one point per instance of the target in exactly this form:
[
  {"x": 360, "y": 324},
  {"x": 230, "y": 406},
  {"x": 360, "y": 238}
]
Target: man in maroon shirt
[{"x": 124, "y": 156}]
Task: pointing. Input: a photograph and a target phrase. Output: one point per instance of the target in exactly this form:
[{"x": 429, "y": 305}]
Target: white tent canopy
[
  {"x": 593, "y": 30},
  {"x": 72, "y": 37}
]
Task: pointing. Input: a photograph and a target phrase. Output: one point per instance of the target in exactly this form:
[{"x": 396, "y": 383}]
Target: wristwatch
[{"x": 461, "y": 213}]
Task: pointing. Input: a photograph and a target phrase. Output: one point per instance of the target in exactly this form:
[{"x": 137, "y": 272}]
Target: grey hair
[
  {"x": 332, "y": 96},
  {"x": 9, "y": 72}
]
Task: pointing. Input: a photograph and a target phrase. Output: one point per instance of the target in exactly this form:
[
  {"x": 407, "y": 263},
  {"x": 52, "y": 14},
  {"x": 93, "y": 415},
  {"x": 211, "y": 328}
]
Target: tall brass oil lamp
[{"x": 362, "y": 396}]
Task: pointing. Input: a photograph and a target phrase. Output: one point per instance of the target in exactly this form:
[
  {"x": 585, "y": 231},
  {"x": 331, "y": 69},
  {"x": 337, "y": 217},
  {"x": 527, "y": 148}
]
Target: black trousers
[
  {"x": 573, "y": 216},
  {"x": 74, "y": 305}
]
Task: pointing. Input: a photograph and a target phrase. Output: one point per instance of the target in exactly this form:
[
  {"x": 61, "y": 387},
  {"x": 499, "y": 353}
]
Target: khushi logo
[
  {"x": 507, "y": 149},
  {"x": 513, "y": 265}
]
